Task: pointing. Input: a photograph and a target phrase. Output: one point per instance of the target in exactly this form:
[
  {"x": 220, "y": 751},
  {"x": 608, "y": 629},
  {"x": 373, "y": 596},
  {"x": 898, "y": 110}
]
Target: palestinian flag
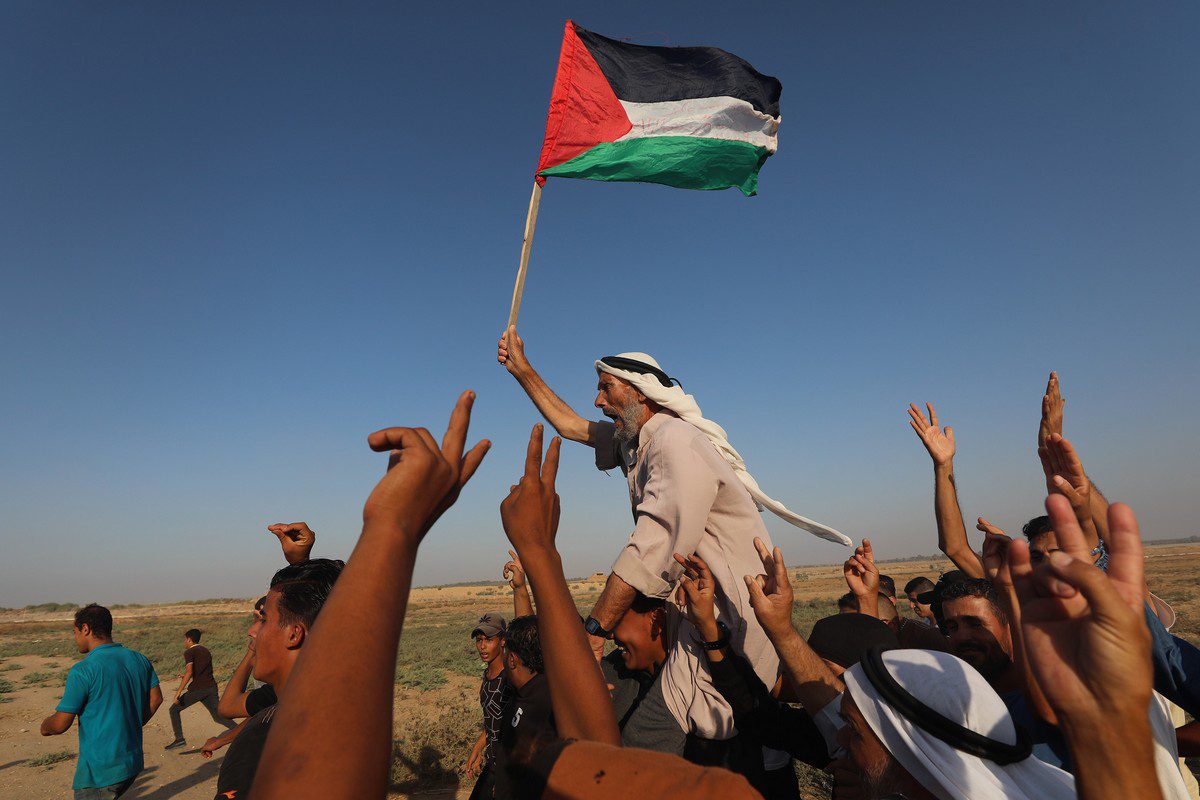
[{"x": 691, "y": 117}]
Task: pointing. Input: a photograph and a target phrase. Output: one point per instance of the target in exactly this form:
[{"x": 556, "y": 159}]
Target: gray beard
[{"x": 627, "y": 434}]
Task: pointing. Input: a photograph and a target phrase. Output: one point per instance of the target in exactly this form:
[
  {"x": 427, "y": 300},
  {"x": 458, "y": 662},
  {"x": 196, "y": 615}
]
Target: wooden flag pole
[{"x": 530, "y": 224}]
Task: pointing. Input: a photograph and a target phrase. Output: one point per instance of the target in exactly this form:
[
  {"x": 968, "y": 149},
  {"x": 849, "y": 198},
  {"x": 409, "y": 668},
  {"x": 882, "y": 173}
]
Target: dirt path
[{"x": 180, "y": 774}]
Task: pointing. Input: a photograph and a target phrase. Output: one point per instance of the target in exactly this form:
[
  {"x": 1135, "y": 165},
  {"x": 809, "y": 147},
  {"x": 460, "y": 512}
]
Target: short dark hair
[
  {"x": 521, "y": 639},
  {"x": 1036, "y": 527},
  {"x": 194, "y": 635},
  {"x": 918, "y": 584},
  {"x": 848, "y": 600},
  {"x": 644, "y": 605},
  {"x": 97, "y": 618},
  {"x": 303, "y": 588},
  {"x": 887, "y": 585},
  {"x": 974, "y": 587}
]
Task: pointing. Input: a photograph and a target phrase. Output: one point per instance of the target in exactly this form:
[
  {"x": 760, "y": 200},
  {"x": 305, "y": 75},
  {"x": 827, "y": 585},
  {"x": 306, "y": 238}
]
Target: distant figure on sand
[
  {"x": 114, "y": 692},
  {"x": 197, "y": 685}
]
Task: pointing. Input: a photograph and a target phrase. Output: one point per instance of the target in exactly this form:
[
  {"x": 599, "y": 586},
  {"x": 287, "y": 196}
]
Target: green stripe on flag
[{"x": 687, "y": 162}]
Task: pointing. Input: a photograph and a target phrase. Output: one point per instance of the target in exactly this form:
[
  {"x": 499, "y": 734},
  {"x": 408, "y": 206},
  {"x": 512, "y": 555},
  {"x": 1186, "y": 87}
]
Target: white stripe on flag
[{"x": 703, "y": 117}]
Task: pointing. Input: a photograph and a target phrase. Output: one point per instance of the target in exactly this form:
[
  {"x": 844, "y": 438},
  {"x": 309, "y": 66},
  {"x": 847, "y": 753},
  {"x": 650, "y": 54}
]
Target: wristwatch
[
  {"x": 593, "y": 627},
  {"x": 722, "y": 638}
]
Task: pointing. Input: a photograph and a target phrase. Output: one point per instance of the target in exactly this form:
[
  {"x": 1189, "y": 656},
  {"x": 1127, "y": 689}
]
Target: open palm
[{"x": 939, "y": 442}]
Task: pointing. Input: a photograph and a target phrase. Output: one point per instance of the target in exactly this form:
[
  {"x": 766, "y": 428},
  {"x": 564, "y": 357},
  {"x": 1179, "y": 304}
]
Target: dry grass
[{"x": 436, "y": 699}]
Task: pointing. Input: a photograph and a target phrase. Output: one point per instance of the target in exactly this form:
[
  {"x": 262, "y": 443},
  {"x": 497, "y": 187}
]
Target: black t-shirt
[
  {"x": 494, "y": 695},
  {"x": 527, "y": 725},
  {"x": 260, "y": 698},
  {"x": 241, "y": 760},
  {"x": 201, "y": 660}
]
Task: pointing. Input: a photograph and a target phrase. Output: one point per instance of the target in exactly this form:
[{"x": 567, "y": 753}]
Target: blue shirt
[
  {"x": 109, "y": 690},
  {"x": 1048, "y": 742}
]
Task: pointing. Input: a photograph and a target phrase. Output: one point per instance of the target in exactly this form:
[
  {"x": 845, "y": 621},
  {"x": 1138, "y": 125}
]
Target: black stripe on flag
[{"x": 644, "y": 74}]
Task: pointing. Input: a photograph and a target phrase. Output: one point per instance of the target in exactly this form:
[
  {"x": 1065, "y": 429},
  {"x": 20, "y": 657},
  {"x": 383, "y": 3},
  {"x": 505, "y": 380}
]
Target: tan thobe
[{"x": 686, "y": 499}]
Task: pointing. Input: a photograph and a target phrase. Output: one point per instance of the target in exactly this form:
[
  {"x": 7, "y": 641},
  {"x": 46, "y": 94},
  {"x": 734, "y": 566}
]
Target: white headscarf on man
[
  {"x": 954, "y": 689},
  {"x": 684, "y": 406}
]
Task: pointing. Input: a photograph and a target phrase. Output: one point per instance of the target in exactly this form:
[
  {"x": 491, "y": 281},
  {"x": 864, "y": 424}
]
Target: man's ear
[
  {"x": 85, "y": 630},
  {"x": 295, "y": 636}
]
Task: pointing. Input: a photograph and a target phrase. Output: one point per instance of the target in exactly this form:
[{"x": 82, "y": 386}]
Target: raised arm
[
  {"x": 233, "y": 699},
  {"x": 995, "y": 567},
  {"x": 296, "y": 539},
  {"x": 582, "y": 707},
  {"x": 771, "y": 598},
  {"x": 862, "y": 577},
  {"x": 1064, "y": 475},
  {"x": 1088, "y": 645},
  {"x": 511, "y": 353},
  {"x": 515, "y": 573},
  {"x": 1051, "y": 423},
  {"x": 347, "y": 737},
  {"x": 952, "y": 533}
]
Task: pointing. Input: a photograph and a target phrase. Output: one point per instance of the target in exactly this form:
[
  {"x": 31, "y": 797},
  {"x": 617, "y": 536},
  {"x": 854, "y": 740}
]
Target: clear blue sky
[{"x": 237, "y": 237}]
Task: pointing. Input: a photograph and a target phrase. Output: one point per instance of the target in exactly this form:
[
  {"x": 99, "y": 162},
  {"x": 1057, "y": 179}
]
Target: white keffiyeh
[
  {"x": 684, "y": 406},
  {"x": 955, "y": 690}
]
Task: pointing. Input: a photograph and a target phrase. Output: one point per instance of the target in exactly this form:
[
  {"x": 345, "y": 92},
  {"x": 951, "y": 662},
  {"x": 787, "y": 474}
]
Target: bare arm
[
  {"x": 57, "y": 723},
  {"x": 348, "y": 738},
  {"x": 582, "y": 707},
  {"x": 771, "y": 598},
  {"x": 511, "y": 353},
  {"x": 995, "y": 567},
  {"x": 1051, "y": 423},
  {"x": 952, "y": 533},
  {"x": 1087, "y": 642},
  {"x": 862, "y": 576},
  {"x": 522, "y": 602},
  {"x": 612, "y": 604},
  {"x": 233, "y": 699},
  {"x": 217, "y": 742},
  {"x": 187, "y": 678},
  {"x": 152, "y": 703}
]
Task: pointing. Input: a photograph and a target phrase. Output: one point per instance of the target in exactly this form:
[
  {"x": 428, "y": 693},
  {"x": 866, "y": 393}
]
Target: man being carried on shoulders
[{"x": 690, "y": 493}]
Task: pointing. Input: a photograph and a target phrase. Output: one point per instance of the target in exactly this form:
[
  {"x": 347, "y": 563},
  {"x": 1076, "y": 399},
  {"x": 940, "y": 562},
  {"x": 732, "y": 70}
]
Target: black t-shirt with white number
[{"x": 527, "y": 725}]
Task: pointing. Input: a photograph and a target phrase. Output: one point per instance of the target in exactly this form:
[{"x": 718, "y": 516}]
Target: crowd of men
[{"x": 1040, "y": 667}]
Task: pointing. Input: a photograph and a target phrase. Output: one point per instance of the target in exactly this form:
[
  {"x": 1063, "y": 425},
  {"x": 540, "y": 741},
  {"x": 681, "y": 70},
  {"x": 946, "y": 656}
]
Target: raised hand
[
  {"x": 995, "y": 554},
  {"x": 530, "y": 512},
  {"x": 514, "y": 573},
  {"x": 1085, "y": 635},
  {"x": 296, "y": 539},
  {"x": 770, "y": 593},
  {"x": 423, "y": 479},
  {"x": 1065, "y": 476},
  {"x": 697, "y": 589},
  {"x": 1052, "y": 411},
  {"x": 862, "y": 576},
  {"x": 939, "y": 443},
  {"x": 510, "y": 351}
]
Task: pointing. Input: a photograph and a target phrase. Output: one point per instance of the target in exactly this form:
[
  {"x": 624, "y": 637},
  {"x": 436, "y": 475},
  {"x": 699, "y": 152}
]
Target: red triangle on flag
[{"x": 584, "y": 111}]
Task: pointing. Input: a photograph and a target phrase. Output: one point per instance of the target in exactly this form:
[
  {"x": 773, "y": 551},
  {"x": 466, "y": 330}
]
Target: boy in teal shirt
[{"x": 114, "y": 692}]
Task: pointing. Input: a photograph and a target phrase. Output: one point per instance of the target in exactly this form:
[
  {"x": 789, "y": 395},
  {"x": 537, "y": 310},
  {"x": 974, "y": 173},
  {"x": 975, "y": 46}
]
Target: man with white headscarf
[
  {"x": 691, "y": 493},
  {"x": 925, "y": 724}
]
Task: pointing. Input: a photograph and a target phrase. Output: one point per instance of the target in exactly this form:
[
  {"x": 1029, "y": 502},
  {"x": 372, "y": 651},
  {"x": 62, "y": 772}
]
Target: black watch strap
[
  {"x": 722, "y": 638},
  {"x": 593, "y": 627}
]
